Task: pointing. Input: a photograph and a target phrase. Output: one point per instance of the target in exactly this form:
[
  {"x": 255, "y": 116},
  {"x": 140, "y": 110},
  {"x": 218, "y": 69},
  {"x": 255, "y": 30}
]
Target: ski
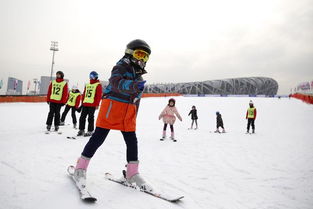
[
  {"x": 162, "y": 139},
  {"x": 49, "y": 132},
  {"x": 83, "y": 191},
  {"x": 71, "y": 137},
  {"x": 123, "y": 182},
  {"x": 75, "y": 137}
]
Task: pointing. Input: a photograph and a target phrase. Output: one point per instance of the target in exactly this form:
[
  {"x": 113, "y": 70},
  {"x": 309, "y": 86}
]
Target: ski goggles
[{"x": 139, "y": 54}]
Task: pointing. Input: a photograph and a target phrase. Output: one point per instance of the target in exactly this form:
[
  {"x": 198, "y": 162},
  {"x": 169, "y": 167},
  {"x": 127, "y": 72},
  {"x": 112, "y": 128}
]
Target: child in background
[
  {"x": 72, "y": 103},
  {"x": 168, "y": 115},
  {"x": 90, "y": 102},
  {"x": 56, "y": 98},
  {"x": 219, "y": 123},
  {"x": 251, "y": 116},
  {"x": 194, "y": 116}
]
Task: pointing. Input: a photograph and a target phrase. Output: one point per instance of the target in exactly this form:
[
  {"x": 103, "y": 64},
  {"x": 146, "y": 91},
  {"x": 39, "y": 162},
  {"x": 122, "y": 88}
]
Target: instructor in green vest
[
  {"x": 251, "y": 116},
  {"x": 90, "y": 102}
]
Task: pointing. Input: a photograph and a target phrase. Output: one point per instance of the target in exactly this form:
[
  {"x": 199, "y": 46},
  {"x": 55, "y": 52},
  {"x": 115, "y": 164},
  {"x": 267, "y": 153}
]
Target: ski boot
[
  {"x": 62, "y": 123},
  {"x": 132, "y": 176},
  {"x": 217, "y": 131},
  {"x": 223, "y": 131},
  {"x": 163, "y": 136},
  {"x": 81, "y": 133},
  {"x": 75, "y": 126},
  {"x": 172, "y": 137},
  {"x": 247, "y": 131},
  {"x": 80, "y": 170},
  {"x": 88, "y": 133},
  {"x": 253, "y": 131},
  {"x": 56, "y": 128},
  {"x": 48, "y": 127}
]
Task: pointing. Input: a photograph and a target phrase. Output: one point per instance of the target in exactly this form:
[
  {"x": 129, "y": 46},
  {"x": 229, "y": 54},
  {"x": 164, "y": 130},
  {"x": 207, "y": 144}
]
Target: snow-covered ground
[{"x": 272, "y": 169}]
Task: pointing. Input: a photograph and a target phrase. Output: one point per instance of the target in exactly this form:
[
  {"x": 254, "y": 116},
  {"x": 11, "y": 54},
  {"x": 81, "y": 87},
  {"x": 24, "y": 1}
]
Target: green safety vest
[
  {"x": 57, "y": 90},
  {"x": 90, "y": 92},
  {"x": 251, "y": 112},
  {"x": 72, "y": 99}
]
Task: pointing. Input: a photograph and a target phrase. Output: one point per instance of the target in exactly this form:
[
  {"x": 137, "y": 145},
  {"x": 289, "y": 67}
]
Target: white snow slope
[{"x": 272, "y": 169}]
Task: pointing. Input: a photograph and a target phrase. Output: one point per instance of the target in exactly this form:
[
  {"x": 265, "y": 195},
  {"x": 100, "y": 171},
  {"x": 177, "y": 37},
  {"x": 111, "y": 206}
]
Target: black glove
[{"x": 48, "y": 103}]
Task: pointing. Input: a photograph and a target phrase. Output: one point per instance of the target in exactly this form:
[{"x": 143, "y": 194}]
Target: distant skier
[
  {"x": 90, "y": 102},
  {"x": 72, "y": 103},
  {"x": 168, "y": 115},
  {"x": 251, "y": 116},
  {"x": 118, "y": 111},
  {"x": 56, "y": 98},
  {"x": 219, "y": 123},
  {"x": 194, "y": 116}
]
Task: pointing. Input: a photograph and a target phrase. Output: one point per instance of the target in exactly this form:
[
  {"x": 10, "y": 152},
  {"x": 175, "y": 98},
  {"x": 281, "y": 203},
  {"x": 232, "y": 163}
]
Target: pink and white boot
[
  {"x": 173, "y": 137},
  {"x": 133, "y": 176},
  {"x": 163, "y": 135},
  {"x": 80, "y": 170}
]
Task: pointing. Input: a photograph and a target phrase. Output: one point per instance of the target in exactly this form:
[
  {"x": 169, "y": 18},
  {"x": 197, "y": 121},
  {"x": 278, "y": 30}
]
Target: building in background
[
  {"x": 44, "y": 84},
  {"x": 15, "y": 86},
  {"x": 304, "y": 88},
  {"x": 234, "y": 86}
]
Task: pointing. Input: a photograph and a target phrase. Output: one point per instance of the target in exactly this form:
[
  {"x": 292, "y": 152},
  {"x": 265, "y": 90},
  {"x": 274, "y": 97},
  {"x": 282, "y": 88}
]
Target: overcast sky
[{"x": 191, "y": 40}]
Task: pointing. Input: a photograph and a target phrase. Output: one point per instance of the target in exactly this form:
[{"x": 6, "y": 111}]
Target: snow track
[{"x": 270, "y": 169}]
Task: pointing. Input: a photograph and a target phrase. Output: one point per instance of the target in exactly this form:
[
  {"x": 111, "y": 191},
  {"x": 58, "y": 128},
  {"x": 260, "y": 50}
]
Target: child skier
[
  {"x": 194, "y": 116},
  {"x": 168, "y": 115},
  {"x": 119, "y": 110},
  {"x": 56, "y": 98},
  {"x": 72, "y": 103},
  {"x": 90, "y": 102},
  {"x": 251, "y": 116},
  {"x": 219, "y": 123}
]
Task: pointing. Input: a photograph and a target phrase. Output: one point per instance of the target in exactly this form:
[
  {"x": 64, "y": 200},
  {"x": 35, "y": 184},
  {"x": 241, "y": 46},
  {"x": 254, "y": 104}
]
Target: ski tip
[
  {"x": 108, "y": 175},
  {"x": 177, "y": 199},
  {"x": 71, "y": 170}
]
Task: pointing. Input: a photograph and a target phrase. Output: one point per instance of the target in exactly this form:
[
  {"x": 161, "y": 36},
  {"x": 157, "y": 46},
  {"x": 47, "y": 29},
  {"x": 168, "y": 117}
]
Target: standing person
[
  {"x": 219, "y": 123},
  {"x": 118, "y": 111},
  {"x": 194, "y": 116},
  {"x": 72, "y": 103},
  {"x": 56, "y": 98},
  {"x": 168, "y": 115},
  {"x": 90, "y": 102},
  {"x": 251, "y": 116}
]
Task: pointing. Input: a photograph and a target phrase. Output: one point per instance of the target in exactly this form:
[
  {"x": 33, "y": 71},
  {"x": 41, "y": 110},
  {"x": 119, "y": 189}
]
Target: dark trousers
[
  {"x": 67, "y": 108},
  {"x": 194, "y": 120},
  {"x": 100, "y": 135},
  {"x": 165, "y": 127},
  {"x": 90, "y": 112},
  {"x": 54, "y": 112},
  {"x": 250, "y": 122},
  {"x": 219, "y": 125}
]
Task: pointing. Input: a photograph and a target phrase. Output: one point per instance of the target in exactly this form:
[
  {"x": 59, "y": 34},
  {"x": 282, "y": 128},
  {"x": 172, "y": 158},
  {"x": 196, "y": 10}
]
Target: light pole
[{"x": 54, "y": 48}]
